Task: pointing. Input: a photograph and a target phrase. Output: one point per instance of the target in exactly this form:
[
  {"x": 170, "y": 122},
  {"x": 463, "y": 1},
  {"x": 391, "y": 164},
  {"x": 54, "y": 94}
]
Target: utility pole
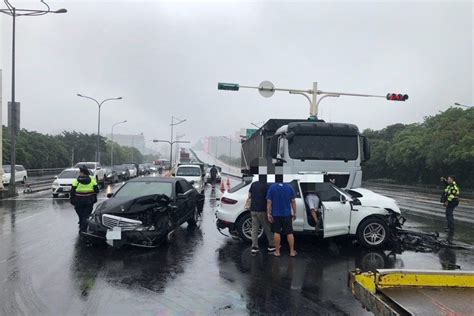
[
  {"x": 99, "y": 104},
  {"x": 13, "y": 106}
]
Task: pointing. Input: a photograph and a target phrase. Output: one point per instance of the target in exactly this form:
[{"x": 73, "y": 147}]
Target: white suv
[
  {"x": 21, "y": 175},
  {"x": 193, "y": 174},
  {"x": 359, "y": 212},
  {"x": 96, "y": 171}
]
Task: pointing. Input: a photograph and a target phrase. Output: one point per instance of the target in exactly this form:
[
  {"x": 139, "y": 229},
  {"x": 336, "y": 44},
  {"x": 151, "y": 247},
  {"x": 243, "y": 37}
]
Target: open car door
[{"x": 336, "y": 210}]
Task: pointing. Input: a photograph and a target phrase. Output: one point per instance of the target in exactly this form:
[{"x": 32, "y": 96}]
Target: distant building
[{"x": 137, "y": 141}]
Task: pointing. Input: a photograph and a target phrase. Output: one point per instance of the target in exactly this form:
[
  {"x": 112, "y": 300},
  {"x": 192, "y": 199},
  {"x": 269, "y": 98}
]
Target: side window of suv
[
  {"x": 327, "y": 192},
  {"x": 19, "y": 168}
]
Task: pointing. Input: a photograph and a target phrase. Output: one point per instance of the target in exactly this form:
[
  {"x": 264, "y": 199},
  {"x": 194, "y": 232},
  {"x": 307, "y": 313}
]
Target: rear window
[{"x": 189, "y": 172}]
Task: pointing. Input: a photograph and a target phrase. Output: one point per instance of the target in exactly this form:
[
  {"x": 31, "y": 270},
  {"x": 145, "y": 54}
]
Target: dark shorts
[{"x": 282, "y": 225}]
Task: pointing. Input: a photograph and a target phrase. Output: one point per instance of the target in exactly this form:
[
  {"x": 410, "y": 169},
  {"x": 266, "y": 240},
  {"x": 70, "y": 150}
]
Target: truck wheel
[
  {"x": 244, "y": 228},
  {"x": 373, "y": 233}
]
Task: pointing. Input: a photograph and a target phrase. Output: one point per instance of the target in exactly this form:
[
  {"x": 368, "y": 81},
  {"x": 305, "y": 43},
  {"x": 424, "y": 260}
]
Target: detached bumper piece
[{"x": 414, "y": 292}]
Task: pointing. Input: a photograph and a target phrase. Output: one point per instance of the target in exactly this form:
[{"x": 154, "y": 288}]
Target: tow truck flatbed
[{"x": 415, "y": 292}]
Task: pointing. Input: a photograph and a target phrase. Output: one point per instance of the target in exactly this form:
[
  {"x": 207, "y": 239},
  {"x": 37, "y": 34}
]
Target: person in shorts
[{"x": 281, "y": 212}]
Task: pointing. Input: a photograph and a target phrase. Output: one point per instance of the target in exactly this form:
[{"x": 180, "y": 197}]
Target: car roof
[
  {"x": 71, "y": 169},
  {"x": 190, "y": 165},
  {"x": 156, "y": 179}
]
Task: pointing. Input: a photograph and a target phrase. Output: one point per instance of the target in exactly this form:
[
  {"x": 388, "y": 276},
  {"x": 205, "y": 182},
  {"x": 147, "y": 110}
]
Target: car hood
[
  {"x": 372, "y": 199},
  {"x": 117, "y": 206},
  {"x": 64, "y": 181},
  {"x": 189, "y": 178}
]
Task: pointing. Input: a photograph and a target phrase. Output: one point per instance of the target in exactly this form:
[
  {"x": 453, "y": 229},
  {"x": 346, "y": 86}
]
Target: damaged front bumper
[{"x": 140, "y": 236}]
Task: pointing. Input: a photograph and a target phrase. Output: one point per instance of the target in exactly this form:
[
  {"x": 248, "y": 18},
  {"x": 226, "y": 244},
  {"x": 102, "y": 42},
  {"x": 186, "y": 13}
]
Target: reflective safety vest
[
  {"x": 452, "y": 191},
  {"x": 84, "y": 188}
]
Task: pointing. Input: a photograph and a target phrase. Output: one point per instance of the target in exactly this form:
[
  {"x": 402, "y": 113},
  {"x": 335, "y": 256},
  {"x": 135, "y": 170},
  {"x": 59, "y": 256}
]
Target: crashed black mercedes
[{"x": 144, "y": 212}]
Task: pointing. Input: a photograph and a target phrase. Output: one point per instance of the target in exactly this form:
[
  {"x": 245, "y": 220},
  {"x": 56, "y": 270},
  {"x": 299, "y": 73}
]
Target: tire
[
  {"x": 55, "y": 195},
  {"x": 373, "y": 233},
  {"x": 244, "y": 228},
  {"x": 23, "y": 181},
  {"x": 193, "y": 220}
]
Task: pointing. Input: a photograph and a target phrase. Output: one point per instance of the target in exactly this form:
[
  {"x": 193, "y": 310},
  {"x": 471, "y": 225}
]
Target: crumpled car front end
[{"x": 142, "y": 222}]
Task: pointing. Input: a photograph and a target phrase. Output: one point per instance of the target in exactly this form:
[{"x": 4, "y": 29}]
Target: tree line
[
  {"x": 421, "y": 153},
  {"x": 42, "y": 151}
]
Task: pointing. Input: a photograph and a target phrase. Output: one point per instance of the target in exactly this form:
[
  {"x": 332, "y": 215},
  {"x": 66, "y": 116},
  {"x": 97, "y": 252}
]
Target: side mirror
[
  {"x": 98, "y": 168},
  {"x": 173, "y": 174},
  {"x": 109, "y": 195},
  {"x": 55, "y": 177},
  {"x": 366, "y": 148},
  {"x": 343, "y": 199},
  {"x": 192, "y": 182}
]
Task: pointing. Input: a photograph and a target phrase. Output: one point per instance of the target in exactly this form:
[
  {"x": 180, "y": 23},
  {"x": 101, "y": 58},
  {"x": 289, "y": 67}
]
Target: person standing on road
[
  {"x": 257, "y": 203},
  {"x": 83, "y": 196},
  {"x": 450, "y": 200},
  {"x": 213, "y": 174},
  {"x": 280, "y": 203}
]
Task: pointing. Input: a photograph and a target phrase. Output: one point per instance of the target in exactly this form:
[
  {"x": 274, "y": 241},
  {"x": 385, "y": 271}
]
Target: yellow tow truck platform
[{"x": 414, "y": 292}]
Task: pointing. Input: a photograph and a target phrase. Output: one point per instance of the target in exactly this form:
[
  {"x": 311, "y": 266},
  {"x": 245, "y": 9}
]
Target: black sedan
[
  {"x": 145, "y": 211},
  {"x": 122, "y": 172}
]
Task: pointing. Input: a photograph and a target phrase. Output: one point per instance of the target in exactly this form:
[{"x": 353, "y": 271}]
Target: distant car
[
  {"x": 21, "y": 175},
  {"x": 192, "y": 173},
  {"x": 123, "y": 172},
  {"x": 95, "y": 168},
  {"x": 111, "y": 175},
  {"x": 144, "y": 211},
  {"x": 63, "y": 182},
  {"x": 366, "y": 215},
  {"x": 142, "y": 170},
  {"x": 218, "y": 176},
  {"x": 133, "y": 170}
]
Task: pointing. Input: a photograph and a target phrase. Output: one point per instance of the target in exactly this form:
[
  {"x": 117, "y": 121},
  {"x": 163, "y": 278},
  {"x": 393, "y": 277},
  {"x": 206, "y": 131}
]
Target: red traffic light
[{"x": 397, "y": 97}]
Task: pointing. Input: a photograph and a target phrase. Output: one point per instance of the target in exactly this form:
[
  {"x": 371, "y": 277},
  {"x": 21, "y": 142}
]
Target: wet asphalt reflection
[{"x": 46, "y": 269}]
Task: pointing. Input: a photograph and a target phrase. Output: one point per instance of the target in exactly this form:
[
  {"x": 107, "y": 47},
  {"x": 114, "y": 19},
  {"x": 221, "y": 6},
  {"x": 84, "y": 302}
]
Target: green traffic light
[{"x": 228, "y": 86}]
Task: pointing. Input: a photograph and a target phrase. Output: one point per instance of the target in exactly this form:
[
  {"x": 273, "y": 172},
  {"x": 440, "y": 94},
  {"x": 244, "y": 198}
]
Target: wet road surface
[{"x": 45, "y": 269}]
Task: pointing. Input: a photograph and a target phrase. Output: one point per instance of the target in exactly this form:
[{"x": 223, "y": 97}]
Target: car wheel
[
  {"x": 373, "y": 233},
  {"x": 244, "y": 228},
  {"x": 193, "y": 220},
  {"x": 55, "y": 195},
  {"x": 24, "y": 180}
]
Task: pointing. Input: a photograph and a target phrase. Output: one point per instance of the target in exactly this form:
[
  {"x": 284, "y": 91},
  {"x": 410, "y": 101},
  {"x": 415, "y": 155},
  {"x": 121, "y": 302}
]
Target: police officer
[
  {"x": 83, "y": 196},
  {"x": 450, "y": 200}
]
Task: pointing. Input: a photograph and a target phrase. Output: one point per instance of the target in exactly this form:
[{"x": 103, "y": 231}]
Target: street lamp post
[
  {"x": 14, "y": 107},
  {"x": 173, "y": 124},
  {"x": 99, "y": 104},
  {"x": 112, "y": 144},
  {"x": 171, "y": 146}
]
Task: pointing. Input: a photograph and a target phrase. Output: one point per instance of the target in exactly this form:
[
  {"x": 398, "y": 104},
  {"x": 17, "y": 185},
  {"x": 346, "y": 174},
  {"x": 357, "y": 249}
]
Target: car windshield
[
  {"x": 88, "y": 165},
  {"x": 324, "y": 147},
  {"x": 69, "y": 174},
  {"x": 143, "y": 188},
  {"x": 188, "y": 172}
]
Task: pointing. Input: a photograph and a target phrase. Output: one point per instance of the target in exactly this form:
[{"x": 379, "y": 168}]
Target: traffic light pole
[{"x": 267, "y": 89}]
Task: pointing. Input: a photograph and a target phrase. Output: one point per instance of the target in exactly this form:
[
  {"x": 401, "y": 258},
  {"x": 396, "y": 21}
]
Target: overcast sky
[{"x": 165, "y": 58}]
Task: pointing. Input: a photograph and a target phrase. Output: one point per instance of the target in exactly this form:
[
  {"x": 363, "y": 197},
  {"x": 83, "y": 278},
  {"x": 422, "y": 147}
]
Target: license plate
[
  {"x": 114, "y": 234},
  {"x": 66, "y": 189}
]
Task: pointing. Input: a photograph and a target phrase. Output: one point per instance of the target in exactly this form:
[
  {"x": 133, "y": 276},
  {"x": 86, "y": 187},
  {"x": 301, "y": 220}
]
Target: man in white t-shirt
[{"x": 313, "y": 202}]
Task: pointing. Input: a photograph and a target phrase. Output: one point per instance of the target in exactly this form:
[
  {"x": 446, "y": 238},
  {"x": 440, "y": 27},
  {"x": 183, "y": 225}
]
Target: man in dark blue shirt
[
  {"x": 280, "y": 203},
  {"x": 257, "y": 203}
]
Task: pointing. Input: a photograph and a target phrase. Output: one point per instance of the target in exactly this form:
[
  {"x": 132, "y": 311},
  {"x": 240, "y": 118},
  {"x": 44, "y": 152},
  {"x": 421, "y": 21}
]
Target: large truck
[{"x": 291, "y": 146}]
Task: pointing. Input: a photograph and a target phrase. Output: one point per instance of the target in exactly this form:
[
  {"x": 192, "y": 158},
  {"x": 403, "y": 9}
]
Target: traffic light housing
[
  {"x": 228, "y": 86},
  {"x": 397, "y": 97}
]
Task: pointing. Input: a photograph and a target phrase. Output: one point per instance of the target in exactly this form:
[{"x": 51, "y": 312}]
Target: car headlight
[
  {"x": 55, "y": 183},
  {"x": 196, "y": 185}
]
